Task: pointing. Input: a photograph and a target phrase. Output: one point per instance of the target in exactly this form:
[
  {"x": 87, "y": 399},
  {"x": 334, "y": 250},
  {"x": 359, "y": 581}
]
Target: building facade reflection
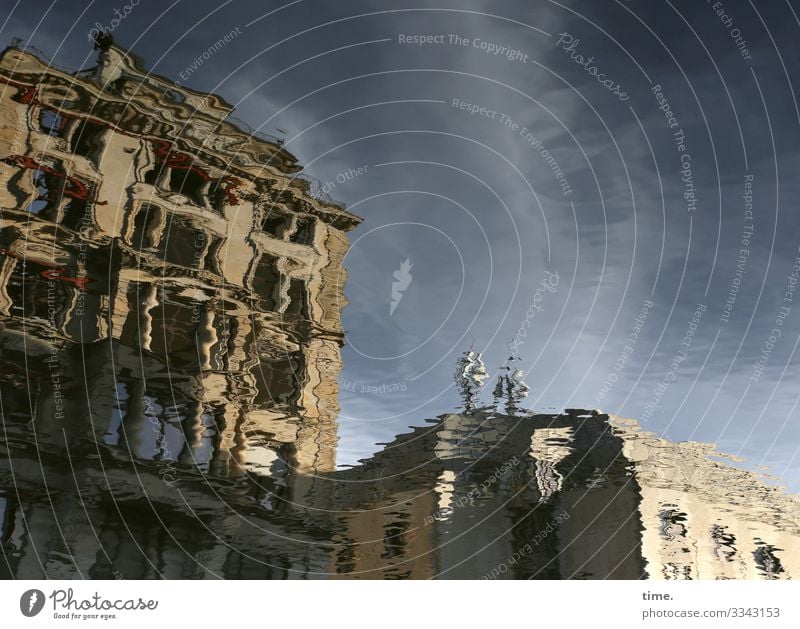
[
  {"x": 170, "y": 303},
  {"x": 199, "y": 276}
]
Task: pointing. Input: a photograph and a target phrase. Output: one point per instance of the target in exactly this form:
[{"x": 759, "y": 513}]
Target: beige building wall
[
  {"x": 703, "y": 518},
  {"x": 258, "y": 276}
]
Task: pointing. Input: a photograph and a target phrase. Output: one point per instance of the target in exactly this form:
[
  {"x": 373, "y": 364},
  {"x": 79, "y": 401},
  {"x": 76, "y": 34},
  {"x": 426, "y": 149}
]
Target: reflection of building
[
  {"x": 468, "y": 497},
  {"x": 169, "y": 333},
  {"x": 704, "y": 519},
  {"x": 559, "y": 496},
  {"x": 199, "y": 275}
]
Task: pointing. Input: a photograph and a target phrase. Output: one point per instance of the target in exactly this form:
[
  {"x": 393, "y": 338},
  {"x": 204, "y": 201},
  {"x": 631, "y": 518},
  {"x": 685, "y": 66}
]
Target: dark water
[{"x": 211, "y": 369}]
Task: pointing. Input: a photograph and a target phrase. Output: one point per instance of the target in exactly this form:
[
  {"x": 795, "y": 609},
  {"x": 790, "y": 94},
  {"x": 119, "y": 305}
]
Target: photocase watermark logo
[
  {"x": 65, "y": 605},
  {"x": 99, "y": 29},
  {"x": 402, "y": 281},
  {"x": 569, "y": 44},
  {"x": 31, "y": 603}
]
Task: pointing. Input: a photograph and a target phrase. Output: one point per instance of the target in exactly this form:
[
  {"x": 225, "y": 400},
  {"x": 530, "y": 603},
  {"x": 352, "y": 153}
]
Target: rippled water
[
  {"x": 145, "y": 476},
  {"x": 481, "y": 494},
  {"x": 210, "y": 368}
]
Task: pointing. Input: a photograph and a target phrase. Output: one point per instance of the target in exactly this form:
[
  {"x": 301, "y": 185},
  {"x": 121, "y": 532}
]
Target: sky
[{"x": 638, "y": 157}]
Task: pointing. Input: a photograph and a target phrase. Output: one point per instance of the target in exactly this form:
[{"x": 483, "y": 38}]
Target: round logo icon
[{"x": 31, "y": 603}]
